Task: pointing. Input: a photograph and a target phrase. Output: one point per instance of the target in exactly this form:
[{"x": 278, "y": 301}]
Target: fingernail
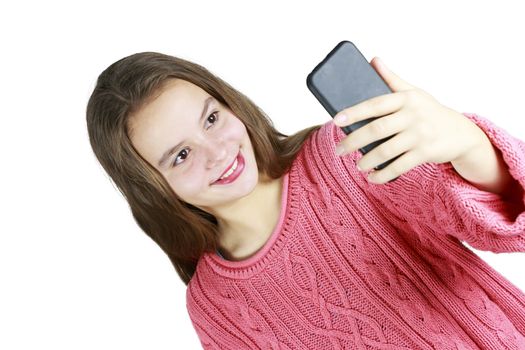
[
  {"x": 340, "y": 118},
  {"x": 339, "y": 150}
]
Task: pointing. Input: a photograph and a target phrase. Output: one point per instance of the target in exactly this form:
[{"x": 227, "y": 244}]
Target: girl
[{"x": 283, "y": 244}]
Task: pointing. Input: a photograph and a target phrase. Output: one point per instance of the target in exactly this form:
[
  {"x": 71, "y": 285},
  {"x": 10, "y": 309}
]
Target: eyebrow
[{"x": 172, "y": 150}]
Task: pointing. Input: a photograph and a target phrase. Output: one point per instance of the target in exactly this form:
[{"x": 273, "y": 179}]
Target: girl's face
[{"x": 192, "y": 139}]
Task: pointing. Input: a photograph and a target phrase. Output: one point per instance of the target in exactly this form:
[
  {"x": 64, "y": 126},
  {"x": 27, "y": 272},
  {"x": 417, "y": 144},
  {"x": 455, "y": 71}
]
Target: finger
[
  {"x": 401, "y": 143},
  {"x": 394, "y": 82},
  {"x": 374, "y": 107},
  {"x": 403, "y": 164},
  {"x": 373, "y": 131}
]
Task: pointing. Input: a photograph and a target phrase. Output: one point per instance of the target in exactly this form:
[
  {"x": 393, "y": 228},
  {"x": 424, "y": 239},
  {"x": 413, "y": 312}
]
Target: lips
[{"x": 228, "y": 168}]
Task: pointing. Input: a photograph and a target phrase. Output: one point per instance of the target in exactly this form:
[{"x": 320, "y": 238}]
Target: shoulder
[
  {"x": 319, "y": 149},
  {"x": 318, "y": 163},
  {"x": 326, "y": 137}
]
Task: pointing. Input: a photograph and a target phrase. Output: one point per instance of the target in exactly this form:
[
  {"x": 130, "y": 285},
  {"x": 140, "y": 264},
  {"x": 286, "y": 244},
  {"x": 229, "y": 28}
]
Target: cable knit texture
[{"x": 356, "y": 265}]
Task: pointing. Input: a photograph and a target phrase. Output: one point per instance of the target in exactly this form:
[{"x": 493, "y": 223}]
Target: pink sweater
[{"x": 354, "y": 265}]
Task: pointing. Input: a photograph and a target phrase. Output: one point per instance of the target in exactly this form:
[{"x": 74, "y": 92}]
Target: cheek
[
  {"x": 189, "y": 181},
  {"x": 189, "y": 185},
  {"x": 237, "y": 129}
]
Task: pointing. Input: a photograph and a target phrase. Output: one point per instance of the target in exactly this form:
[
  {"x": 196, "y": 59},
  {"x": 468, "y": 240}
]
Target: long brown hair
[{"x": 183, "y": 231}]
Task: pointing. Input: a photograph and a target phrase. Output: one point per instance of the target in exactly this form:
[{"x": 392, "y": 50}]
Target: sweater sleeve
[
  {"x": 214, "y": 330},
  {"x": 436, "y": 197}
]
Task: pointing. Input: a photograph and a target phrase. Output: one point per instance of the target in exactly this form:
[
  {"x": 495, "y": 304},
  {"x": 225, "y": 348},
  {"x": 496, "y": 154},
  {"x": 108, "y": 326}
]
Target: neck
[{"x": 245, "y": 228}]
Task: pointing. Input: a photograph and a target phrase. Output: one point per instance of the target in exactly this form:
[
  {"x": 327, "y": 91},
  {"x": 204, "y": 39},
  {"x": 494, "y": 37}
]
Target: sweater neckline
[{"x": 250, "y": 266}]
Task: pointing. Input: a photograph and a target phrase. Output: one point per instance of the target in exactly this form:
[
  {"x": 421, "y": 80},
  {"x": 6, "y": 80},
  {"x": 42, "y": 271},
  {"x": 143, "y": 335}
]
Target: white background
[{"x": 76, "y": 272}]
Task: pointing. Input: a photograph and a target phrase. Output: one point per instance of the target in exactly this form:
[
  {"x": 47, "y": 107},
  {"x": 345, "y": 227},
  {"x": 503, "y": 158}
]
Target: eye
[{"x": 184, "y": 151}]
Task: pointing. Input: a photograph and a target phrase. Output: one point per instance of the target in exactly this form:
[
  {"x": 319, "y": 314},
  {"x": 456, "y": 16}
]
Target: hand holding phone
[
  {"x": 345, "y": 78},
  {"x": 422, "y": 129}
]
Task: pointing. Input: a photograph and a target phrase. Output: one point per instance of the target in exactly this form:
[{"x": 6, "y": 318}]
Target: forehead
[
  {"x": 177, "y": 91},
  {"x": 176, "y": 97},
  {"x": 177, "y": 103}
]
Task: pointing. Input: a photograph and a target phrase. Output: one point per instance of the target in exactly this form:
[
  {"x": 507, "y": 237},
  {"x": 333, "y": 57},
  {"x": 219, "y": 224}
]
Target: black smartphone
[{"x": 345, "y": 78}]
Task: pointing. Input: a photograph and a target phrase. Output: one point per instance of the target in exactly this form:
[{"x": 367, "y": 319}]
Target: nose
[{"x": 214, "y": 152}]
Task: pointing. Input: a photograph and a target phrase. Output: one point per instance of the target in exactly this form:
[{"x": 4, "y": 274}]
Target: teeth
[{"x": 232, "y": 169}]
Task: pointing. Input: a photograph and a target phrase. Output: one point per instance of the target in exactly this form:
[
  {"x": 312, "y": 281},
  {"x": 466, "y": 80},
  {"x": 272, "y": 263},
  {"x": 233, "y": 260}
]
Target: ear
[{"x": 392, "y": 80}]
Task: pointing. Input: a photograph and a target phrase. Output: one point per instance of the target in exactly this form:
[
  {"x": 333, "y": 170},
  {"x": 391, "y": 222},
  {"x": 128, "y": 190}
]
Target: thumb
[{"x": 392, "y": 80}]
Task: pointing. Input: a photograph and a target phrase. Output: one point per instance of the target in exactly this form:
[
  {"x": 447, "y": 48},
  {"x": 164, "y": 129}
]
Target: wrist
[{"x": 479, "y": 144}]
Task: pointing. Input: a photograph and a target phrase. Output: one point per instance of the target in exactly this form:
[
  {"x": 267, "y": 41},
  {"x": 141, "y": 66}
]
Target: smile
[{"x": 233, "y": 171}]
